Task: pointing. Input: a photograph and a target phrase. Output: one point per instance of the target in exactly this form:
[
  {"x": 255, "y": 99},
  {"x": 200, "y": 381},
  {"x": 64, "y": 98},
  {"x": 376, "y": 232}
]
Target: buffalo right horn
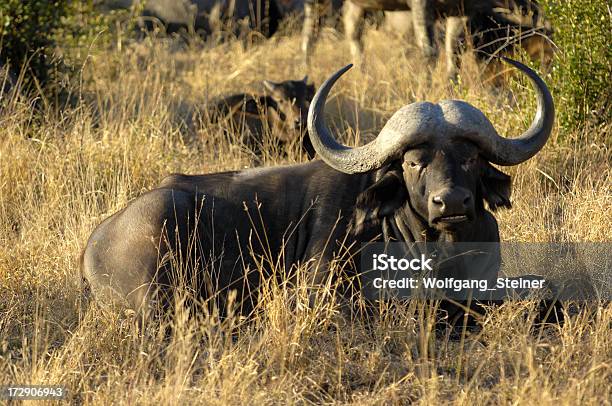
[
  {"x": 338, "y": 156},
  {"x": 374, "y": 155}
]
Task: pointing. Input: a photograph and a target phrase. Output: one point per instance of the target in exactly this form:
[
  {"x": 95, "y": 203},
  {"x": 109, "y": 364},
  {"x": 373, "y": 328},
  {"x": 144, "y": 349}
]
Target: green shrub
[
  {"x": 581, "y": 76},
  {"x": 52, "y": 37},
  {"x": 27, "y": 30},
  {"x": 87, "y": 28}
]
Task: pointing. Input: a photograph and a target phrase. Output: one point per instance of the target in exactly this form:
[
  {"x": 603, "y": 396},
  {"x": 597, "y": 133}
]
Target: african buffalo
[
  {"x": 494, "y": 25},
  {"x": 281, "y": 113},
  {"x": 202, "y": 16},
  {"x": 426, "y": 177},
  {"x": 511, "y": 26}
]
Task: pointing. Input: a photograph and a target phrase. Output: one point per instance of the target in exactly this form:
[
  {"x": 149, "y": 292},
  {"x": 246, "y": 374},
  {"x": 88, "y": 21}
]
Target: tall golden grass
[{"x": 138, "y": 119}]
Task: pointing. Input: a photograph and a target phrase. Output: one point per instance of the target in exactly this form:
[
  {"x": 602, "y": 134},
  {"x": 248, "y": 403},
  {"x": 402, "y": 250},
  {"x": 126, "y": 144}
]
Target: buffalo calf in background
[{"x": 281, "y": 113}]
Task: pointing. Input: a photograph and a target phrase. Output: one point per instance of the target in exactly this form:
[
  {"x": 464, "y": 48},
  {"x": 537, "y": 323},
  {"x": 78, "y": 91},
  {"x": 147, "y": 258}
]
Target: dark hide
[{"x": 226, "y": 231}]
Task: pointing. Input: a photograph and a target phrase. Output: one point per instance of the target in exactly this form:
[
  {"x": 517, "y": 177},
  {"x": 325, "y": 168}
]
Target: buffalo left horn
[{"x": 507, "y": 151}]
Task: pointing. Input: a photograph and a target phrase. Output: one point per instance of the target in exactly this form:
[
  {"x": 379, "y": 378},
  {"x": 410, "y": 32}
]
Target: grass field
[{"x": 137, "y": 120}]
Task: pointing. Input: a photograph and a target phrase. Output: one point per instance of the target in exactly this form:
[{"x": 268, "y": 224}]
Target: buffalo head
[
  {"x": 436, "y": 157},
  {"x": 293, "y": 99},
  {"x": 530, "y": 30}
]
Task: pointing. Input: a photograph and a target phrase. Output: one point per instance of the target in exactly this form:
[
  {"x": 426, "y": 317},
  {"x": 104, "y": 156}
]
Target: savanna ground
[{"x": 134, "y": 123}]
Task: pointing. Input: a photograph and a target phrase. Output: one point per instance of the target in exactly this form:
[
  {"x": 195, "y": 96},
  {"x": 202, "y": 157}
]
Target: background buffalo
[{"x": 204, "y": 16}]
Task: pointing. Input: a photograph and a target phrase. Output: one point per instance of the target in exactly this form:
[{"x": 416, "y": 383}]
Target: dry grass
[{"x": 60, "y": 176}]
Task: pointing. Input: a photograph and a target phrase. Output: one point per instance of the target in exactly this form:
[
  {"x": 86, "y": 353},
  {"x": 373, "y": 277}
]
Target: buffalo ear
[
  {"x": 310, "y": 91},
  {"x": 273, "y": 87},
  {"x": 496, "y": 187},
  {"x": 381, "y": 199}
]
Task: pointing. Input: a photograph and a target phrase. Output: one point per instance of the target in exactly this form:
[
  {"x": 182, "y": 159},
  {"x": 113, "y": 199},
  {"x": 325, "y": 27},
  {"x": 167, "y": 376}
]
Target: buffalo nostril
[{"x": 466, "y": 200}]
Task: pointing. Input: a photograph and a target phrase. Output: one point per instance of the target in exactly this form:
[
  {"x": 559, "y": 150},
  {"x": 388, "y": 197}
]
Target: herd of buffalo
[{"x": 427, "y": 177}]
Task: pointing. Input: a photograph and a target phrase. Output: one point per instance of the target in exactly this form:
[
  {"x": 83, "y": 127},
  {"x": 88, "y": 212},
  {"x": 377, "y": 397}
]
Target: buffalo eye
[
  {"x": 471, "y": 161},
  {"x": 417, "y": 165}
]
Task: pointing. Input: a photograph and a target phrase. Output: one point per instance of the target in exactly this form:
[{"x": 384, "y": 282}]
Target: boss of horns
[{"x": 423, "y": 121}]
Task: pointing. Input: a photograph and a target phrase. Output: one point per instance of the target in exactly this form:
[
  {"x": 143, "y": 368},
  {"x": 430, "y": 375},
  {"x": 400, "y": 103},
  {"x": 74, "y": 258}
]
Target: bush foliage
[
  {"x": 583, "y": 72},
  {"x": 49, "y": 37},
  {"x": 27, "y": 30}
]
